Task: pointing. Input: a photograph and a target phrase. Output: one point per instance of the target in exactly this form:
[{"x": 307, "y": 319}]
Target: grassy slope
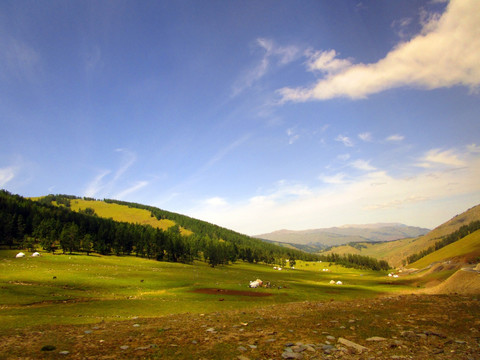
[
  {"x": 89, "y": 289},
  {"x": 124, "y": 213},
  {"x": 468, "y": 247},
  {"x": 395, "y": 251}
]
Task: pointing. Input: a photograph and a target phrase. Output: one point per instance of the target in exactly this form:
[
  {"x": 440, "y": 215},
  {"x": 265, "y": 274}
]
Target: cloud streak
[
  {"x": 273, "y": 55},
  {"x": 103, "y": 184},
  {"x": 446, "y": 53},
  {"x": 6, "y": 175}
]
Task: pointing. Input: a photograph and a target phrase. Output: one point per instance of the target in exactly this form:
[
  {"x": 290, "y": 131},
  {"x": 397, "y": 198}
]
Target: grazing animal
[{"x": 54, "y": 277}]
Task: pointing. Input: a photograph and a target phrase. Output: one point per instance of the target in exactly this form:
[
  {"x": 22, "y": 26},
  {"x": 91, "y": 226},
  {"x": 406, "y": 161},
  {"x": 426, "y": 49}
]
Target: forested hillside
[{"x": 50, "y": 223}]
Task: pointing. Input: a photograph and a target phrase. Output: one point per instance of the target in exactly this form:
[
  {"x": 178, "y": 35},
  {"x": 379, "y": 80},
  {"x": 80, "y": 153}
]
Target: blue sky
[{"x": 254, "y": 115}]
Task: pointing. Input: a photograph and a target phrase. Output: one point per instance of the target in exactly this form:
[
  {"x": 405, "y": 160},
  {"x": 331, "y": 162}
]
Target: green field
[
  {"x": 467, "y": 248},
  {"x": 90, "y": 289}
]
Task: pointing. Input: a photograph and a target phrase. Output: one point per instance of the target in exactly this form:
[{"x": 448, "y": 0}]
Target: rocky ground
[{"x": 401, "y": 327}]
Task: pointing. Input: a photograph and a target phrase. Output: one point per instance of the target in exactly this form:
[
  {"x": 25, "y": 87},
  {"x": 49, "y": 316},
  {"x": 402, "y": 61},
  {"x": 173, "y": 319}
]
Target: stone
[
  {"x": 376, "y": 338},
  {"x": 292, "y": 355},
  {"x": 241, "y": 357},
  {"x": 241, "y": 348},
  {"x": 330, "y": 337},
  {"x": 299, "y": 348},
  {"x": 64, "y": 352},
  {"x": 407, "y": 333},
  {"x": 142, "y": 348},
  {"x": 124, "y": 347},
  {"x": 357, "y": 347}
]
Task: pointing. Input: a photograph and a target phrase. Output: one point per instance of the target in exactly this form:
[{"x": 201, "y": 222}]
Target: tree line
[
  {"x": 27, "y": 224},
  {"x": 51, "y": 224},
  {"x": 356, "y": 261},
  {"x": 449, "y": 239}
]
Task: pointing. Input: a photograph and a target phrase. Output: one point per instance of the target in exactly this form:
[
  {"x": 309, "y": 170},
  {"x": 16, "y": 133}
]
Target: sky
[{"x": 253, "y": 115}]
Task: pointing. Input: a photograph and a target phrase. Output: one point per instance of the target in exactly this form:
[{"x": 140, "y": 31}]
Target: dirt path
[{"x": 402, "y": 327}]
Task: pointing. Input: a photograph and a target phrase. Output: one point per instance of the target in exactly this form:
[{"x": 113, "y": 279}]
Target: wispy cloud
[
  {"x": 96, "y": 185},
  {"x": 6, "y": 175},
  {"x": 437, "y": 157},
  {"x": 473, "y": 148},
  {"x": 366, "y": 136},
  {"x": 137, "y": 186},
  {"x": 292, "y": 136},
  {"x": 362, "y": 165},
  {"x": 340, "y": 178},
  {"x": 19, "y": 59},
  {"x": 103, "y": 185},
  {"x": 446, "y": 53},
  {"x": 345, "y": 140},
  {"x": 371, "y": 196},
  {"x": 343, "y": 157},
  {"x": 273, "y": 55},
  {"x": 395, "y": 138}
]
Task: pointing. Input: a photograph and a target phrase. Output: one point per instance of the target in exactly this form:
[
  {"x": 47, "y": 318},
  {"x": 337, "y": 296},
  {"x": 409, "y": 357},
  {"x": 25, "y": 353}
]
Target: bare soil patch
[{"x": 213, "y": 291}]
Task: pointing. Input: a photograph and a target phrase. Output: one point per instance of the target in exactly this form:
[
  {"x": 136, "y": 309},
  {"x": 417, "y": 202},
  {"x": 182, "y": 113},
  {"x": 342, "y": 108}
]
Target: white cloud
[
  {"x": 6, "y": 175},
  {"x": 446, "y": 53},
  {"x": 345, "y": 140},
  {"x": 326, "y": 61},
  {"x": 216, "y": 202},
  {"x": 366, "y": 136},
  {"x": 436, "y": 157},
  {"x": 395, "y": 138},
  {"x": 362, "y": 165}
]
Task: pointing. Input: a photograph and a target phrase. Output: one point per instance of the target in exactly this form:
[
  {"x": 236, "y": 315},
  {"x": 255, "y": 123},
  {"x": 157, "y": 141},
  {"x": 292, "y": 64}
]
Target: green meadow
[{"x": 74, "y": 289}]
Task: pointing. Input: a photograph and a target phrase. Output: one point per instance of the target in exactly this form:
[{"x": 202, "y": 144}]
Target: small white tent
[{"x": 20, "y": 255}]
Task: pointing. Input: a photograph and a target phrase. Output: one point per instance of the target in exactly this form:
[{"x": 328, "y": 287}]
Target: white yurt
[
  {"x": 35, "y": 254},
  {"x": 20, "y": 255}
]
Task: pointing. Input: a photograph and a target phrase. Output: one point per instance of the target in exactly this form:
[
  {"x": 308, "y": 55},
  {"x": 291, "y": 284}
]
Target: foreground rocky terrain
[{"x": 400, "y": 327}]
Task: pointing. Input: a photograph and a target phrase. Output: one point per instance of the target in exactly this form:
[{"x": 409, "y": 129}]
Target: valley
[{"x": 127, "y": 305}]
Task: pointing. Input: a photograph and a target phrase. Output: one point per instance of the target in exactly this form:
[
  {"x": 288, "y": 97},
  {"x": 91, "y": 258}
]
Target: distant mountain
[{"x": 322, "y": 238}]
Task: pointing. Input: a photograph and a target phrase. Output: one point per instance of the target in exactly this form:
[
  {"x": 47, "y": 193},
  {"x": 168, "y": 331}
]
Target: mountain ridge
[{"x": 338, "y": 235}]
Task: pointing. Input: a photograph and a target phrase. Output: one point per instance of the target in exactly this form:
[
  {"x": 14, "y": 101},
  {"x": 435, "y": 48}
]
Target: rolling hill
[{"x": 395, "y": 252}]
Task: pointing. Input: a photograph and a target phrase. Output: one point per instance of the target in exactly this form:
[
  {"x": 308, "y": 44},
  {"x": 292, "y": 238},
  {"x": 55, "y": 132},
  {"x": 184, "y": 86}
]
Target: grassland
[
  {"x": 64, "y": 289},
  {"x": 123, "y": 213}
]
